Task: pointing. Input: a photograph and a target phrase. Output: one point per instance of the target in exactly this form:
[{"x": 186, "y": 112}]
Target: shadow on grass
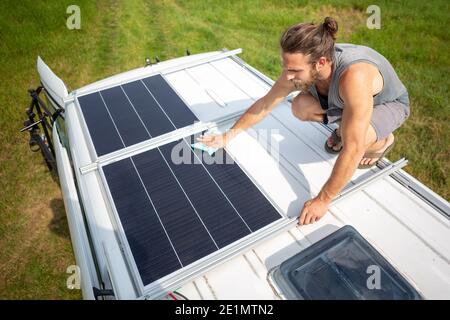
[{"x": 58, "y": 224}]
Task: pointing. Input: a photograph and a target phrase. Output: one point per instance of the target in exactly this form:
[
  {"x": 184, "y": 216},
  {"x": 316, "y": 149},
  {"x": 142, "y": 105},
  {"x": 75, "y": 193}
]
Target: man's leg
[
  {"x": 386, "y": 118},
  {"x": 307, "y": 108},
  {"x": 374, "y": 146}
]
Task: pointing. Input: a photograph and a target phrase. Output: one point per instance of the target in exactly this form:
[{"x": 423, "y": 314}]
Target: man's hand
[
  {"x": 215, "y": 141},
  {"x": 313, "y": 210}
]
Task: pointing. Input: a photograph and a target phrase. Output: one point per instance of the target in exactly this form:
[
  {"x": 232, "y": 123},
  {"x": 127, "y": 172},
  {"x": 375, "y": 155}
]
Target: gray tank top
[{"x": 347, "y": 54}]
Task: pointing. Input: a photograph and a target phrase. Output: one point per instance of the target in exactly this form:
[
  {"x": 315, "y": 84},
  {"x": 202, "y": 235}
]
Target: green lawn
[{"x": 116, "y": 36}]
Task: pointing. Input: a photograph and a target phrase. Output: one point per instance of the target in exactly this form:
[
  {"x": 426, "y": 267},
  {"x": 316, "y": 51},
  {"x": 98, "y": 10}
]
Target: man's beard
[{"x": 305, "y": 85}]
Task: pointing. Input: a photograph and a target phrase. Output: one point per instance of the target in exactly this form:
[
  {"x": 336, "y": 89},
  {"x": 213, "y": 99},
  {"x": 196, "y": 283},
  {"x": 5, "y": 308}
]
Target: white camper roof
[{"x": 407, "y": 222}]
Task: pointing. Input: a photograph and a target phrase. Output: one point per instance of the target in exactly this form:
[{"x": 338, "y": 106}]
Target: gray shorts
[{"x": 386, "y": 117}]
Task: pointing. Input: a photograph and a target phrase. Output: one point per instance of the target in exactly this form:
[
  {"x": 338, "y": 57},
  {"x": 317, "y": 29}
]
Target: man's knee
[{"x": 303, "y": 106}]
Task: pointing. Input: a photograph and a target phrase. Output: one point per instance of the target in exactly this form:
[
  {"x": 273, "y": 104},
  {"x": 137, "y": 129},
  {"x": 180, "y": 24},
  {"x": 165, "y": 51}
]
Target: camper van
[{"x": 150, "y": 217}]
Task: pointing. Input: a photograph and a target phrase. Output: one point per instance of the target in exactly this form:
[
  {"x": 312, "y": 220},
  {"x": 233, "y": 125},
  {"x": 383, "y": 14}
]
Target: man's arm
[
  {"x": 257, "y": 111},
  {"x": 262, "y": 107},
  {"x": 356, "y": 91}
]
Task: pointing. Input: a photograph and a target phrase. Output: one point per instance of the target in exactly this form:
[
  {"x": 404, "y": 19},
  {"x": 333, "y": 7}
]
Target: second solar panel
[
  {"x": 127, "y": 114},
  {"x": 187, "y": 210}
]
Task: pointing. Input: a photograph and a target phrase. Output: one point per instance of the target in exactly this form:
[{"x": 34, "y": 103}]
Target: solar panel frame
[{"x": 188, "y": 272}]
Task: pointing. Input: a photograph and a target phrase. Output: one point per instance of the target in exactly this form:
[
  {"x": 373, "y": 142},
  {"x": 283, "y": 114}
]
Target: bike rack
[{"x": 45, "y": 121}]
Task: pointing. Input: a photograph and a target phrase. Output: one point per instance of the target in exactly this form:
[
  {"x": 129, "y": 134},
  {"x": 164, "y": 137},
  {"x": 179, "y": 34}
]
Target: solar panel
[
  {"x": 175, "y": 108},
  {"x": 103, "y": 133},
  {"x": 170, "y": 214},
  {"x": 131, "y": 113},
  {"x": 175, "y": 214}
]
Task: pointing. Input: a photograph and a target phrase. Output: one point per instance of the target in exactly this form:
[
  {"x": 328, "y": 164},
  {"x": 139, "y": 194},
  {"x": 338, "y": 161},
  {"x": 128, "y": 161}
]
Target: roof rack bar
[
  {"x": 375, "y": 177},
  {"x": 427, "y": 195}
]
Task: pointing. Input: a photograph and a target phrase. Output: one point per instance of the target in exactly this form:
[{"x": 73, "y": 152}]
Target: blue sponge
[{"x": 204, "y": 147}]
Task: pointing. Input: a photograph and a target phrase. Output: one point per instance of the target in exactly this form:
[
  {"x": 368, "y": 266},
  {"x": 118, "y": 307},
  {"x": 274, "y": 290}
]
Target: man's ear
[{"x": 321, "y": 63}]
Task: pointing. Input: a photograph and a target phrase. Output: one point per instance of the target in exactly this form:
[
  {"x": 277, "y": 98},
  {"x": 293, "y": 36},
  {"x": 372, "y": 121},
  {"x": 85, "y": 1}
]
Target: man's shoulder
[
  {"x": 358, "y": 71},
  {"x": 344, "y": 46},
  {"x": 358, "y": 76}
]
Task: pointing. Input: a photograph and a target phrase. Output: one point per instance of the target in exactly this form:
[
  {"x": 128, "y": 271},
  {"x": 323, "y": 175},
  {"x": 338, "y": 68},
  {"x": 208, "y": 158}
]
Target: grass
[{"x": 116, "y": 36}]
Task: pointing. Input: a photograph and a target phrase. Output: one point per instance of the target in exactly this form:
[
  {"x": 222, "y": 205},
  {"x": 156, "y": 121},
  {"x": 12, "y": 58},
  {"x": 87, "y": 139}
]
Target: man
[{"x": 349, "y": 84}]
